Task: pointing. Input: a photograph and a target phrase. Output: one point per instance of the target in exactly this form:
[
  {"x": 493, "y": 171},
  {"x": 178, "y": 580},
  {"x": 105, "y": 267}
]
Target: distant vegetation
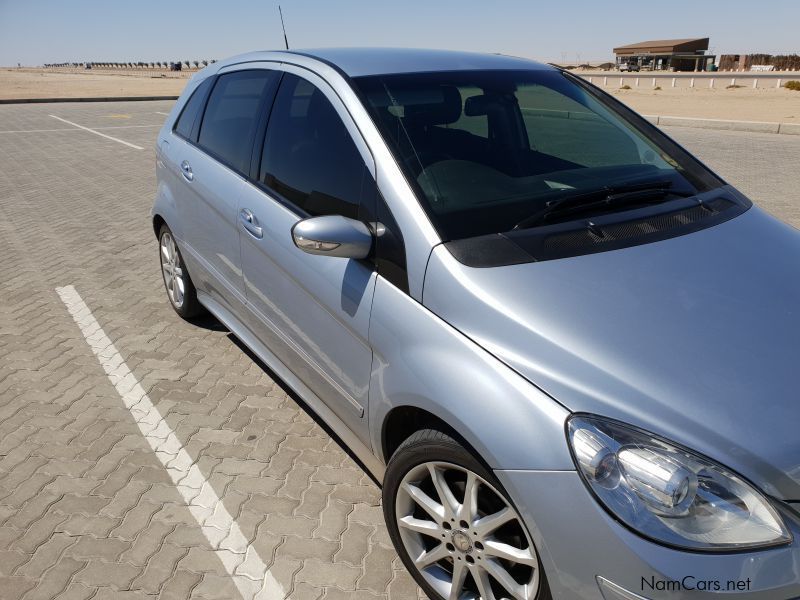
[
  {"x": 104, "y": 64},
  {"x": 793, "y": 85}
]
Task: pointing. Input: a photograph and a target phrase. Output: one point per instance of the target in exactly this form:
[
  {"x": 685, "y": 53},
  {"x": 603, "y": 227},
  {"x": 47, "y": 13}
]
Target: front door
[{"x": 312, "y": 311}]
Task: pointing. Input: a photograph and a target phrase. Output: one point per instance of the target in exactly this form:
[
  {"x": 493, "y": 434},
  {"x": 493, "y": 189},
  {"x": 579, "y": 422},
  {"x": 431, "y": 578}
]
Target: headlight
[{"x": 668, "y": 493}]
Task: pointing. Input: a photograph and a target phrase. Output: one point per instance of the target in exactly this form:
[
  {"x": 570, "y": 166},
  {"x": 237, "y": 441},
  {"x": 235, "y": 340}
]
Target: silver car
[{"x": 565, "y": 348}]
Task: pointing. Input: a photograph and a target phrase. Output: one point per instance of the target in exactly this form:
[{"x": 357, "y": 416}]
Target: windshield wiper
[{"x": 606, "y": 197}]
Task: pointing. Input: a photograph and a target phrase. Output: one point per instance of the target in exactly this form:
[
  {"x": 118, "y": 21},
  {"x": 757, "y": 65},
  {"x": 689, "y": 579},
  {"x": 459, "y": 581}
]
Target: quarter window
[
  {"x": 309, "y": 157},
  {"x": 192, "y": 109},
  {"x": 232, "y": 114}
]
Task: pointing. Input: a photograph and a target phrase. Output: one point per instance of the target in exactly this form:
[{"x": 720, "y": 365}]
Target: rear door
[
  {"x": 313, "y": 311},
  {"x": 213, "y": 164}
]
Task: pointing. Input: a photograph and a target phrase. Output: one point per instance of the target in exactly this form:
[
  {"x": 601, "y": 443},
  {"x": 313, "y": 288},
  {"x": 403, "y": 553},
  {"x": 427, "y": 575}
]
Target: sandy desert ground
[
  {"x": 745, "y": 103},
  {"x": 738, "y": 104},
  {"x": 35, "y": 83}
]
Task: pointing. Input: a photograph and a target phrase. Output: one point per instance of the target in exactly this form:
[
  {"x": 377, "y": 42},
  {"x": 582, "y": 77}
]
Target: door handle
[
  {"x": 186, "y": 169},
  {"x": 249, "y": 222}
]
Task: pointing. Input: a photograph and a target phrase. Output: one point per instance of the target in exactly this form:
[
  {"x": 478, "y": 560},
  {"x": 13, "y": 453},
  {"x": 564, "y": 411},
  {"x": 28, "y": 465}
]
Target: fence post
[
  {"x": 755, "y": 83},
  {"x": 605, "y": 81},
  {"x": 733, "y": 81},
  {"x": 779, "y": 84},
  {"x": 590, "y": 80},
  {"x": 654, "y": 82},
  {"x": 711, "y": 83},
  {"x": 673, "y": 82},
  {"x": 691, "y": 83},
  {"x": 637, "y": 82}
]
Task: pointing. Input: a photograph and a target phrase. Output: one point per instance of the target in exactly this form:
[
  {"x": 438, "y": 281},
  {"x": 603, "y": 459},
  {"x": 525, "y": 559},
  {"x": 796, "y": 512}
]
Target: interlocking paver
[
  {"x": 10, "y": 560},
  {"x": 215, "y": 587},
  {"x": 301, "y": 547},
  {"x": 55, "y": 580},
  {"x": 101, "y": 573},
  {"x": 86, "y": 509},
  {"x": 45, "y": 556},
  {"x": 15, "y": 587},
  {"x": 159, "y": 568},
  {"x": 378, "y": 570},
  {"x": 106, "y": 549},
  {"x": 96, "y": 525},
  {"x": 180, "y": 585},
  {"x": 323, "y": 573},
  {"x": 354, "y": 544},
  {"x": 77, "y": 591}
]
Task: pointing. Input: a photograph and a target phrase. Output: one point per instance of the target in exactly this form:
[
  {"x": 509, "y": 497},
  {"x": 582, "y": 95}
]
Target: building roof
[
  {"x": 665, "y": 46},
  {"x": 356, "y": 62}
]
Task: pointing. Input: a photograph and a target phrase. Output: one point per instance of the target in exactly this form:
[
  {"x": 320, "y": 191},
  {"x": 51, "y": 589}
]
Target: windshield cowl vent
[
  {"x": 603, "y": 233},
  {"x": 594, "y": 234}
]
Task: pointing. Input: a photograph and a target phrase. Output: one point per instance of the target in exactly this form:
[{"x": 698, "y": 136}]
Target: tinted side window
[
  {"x": 192, "y": 109},
  {"x": 232, "y": 115},
  {"x": 309, "y": 157}
]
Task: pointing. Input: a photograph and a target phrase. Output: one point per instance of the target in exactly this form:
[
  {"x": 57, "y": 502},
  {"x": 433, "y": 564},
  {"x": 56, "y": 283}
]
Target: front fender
[{"x": 421, "y": 361}]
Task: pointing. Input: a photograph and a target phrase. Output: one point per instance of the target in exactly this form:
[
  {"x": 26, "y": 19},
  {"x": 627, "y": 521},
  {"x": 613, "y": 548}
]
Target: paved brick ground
[{"x": 86, "y": 509}]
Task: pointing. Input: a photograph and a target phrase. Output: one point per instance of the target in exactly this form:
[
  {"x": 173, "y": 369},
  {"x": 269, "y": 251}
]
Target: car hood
[{"x": 695, "y": 338}]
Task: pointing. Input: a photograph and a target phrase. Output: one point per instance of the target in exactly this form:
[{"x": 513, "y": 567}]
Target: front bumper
[{"x": 578, "y": 542}]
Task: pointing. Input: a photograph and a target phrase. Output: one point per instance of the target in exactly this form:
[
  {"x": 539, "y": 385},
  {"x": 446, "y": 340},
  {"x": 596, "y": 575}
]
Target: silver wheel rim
[
  {"x": 172, "y": 270},
  {"x": 463, "y": 536}
]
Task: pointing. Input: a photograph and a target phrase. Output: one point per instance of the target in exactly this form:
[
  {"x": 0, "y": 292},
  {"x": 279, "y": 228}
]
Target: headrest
[
  {"x": 483, "y": 104},
  {"x": 441, "y": 106}
]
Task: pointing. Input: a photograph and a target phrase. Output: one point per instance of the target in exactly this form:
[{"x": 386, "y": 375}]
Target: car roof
[{"x": 357, "y": 62}]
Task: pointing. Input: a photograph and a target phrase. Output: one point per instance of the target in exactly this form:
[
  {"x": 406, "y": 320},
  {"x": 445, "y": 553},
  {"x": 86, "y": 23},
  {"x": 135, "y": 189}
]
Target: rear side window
[
  {"x": 232, "y": 114},
  {"x": 192, "y": 109},
  {"x": 309, "y": 157}
]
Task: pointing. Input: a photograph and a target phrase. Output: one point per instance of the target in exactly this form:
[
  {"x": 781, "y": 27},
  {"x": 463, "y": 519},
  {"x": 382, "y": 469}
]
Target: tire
[
  {"x": 448, "y": 538},
  {"x": 180, "y": 290}
]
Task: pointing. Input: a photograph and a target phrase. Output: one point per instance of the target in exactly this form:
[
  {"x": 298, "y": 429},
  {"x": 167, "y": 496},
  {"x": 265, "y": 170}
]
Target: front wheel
[{"x": 454, "y": 527}]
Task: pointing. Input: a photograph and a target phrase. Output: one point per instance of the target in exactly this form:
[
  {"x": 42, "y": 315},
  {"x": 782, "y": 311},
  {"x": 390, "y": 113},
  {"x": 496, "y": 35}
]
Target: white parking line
[
  {"x": 38, "y": 130},
  {"x": 134, "y": 146},
  {"x": 73, "y": 129},
  {"x": 127, "y": 126},
  {"x": 162, "y": 113},
  {"x": 244, "y": 565}
]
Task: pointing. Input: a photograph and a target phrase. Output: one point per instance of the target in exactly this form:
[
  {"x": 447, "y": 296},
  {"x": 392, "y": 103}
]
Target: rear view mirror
[{"x": 333, "y": 235}]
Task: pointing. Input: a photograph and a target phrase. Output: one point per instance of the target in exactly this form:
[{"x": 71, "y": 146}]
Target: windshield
[{"x": 488, "y": 151}]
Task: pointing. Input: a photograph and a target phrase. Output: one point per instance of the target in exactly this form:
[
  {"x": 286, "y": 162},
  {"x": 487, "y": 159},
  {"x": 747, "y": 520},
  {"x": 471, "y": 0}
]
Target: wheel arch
[
  {"x": 401, "y": 422},
  {"x": 158, "y": 223}
]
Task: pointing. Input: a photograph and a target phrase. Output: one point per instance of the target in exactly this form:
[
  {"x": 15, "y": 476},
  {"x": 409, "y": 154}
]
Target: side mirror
[{"x": 333, "y": 235}]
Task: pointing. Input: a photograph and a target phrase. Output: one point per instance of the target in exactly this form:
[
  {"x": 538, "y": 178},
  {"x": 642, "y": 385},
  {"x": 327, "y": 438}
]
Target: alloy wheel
[
  {"x": 172, "y": 270},
  {"x": 465, "y": 539}
]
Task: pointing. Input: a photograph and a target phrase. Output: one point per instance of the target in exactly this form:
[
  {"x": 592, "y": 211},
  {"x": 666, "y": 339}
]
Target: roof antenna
[{"x": 285, "y": 41}]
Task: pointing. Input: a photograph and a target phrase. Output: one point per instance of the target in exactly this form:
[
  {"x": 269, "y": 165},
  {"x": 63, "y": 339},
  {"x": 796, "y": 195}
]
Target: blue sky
[{"x": 38, "y": 31}]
